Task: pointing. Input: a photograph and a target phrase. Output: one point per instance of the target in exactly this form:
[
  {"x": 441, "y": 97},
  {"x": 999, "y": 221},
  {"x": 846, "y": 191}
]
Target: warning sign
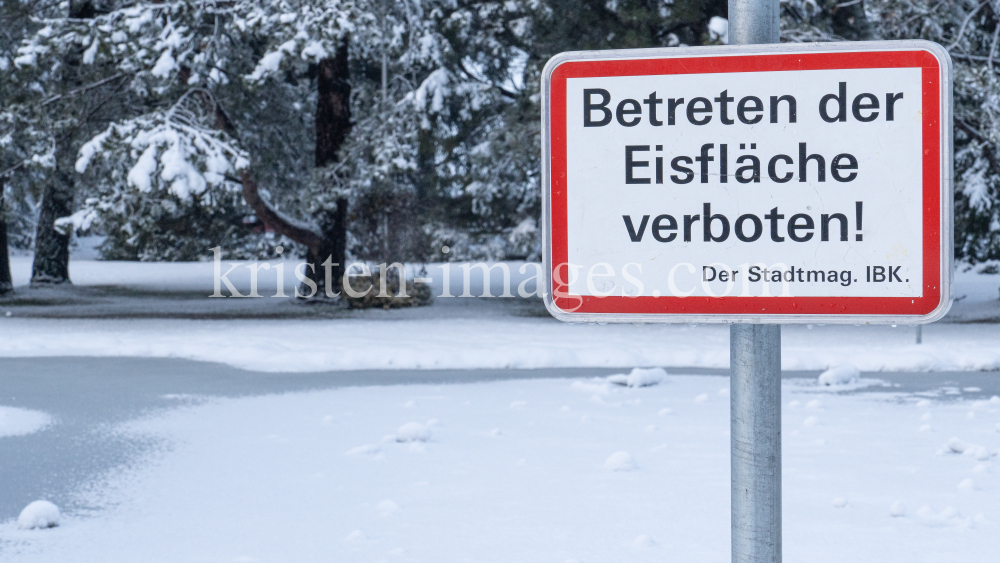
[{"x": 770, "y": 183}]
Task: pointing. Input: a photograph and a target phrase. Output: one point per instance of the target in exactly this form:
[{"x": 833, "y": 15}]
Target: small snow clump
[
  {"x": 957, "y": 446},
  {"x": 639, "y": 377},
  {"x": 387, "y": 508},
  {"x": 621, "y": 461},
  {"x": 897, "y": 510},
  {"x": 39, "y": 514},
  {"x": 413, "y": 432},
  {"x": 839, "y": 375}
]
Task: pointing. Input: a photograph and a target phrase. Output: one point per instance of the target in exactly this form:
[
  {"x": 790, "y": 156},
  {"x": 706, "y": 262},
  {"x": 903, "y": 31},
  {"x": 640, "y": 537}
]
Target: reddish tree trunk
[{"x": 333, "y": 124}]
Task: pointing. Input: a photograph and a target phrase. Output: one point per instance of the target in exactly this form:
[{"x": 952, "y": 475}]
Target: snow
[
  {"x": 413, "y": 432},
  {"x": 20, "y": 422},
  {"x": 268, "y": 64},
  {"x": 267, "y": 479},
  {"x": 718, "y": 28},
  {"x": 639, "y": 377},
  {"x": 957, "y": 446},
  {"x": 140, "y": 174},
  {"x": 621, "y": 461},
  {"x": 164, "y": 65},
  {"x": 91, "y": 52},
  {"x": 840, "y": 375},
  {"x": 38, "y": 514}
]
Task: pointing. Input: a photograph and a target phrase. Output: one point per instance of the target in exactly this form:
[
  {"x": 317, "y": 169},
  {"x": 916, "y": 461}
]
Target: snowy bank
[{"x": 490, "y": 341}]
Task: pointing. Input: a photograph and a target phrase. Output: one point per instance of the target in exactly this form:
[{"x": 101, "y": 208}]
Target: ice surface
[
  {"x": 19, "y": 422},
  {"x": 225, "y": 488},
  {"x": 38, "y": 514}
]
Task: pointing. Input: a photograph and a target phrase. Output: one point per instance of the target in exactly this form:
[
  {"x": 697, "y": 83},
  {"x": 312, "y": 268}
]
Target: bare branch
[{"x": 81, "y": 89}]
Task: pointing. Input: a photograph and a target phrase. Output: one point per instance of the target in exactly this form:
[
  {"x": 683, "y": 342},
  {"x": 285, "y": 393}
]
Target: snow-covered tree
[{"x": 970, "y": 31}]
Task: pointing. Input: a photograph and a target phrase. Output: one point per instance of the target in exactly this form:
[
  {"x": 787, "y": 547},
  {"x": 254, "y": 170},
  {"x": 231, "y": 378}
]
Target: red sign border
[{"x": 933, "y": 195}]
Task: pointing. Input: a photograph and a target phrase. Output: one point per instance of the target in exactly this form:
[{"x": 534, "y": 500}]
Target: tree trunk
[
  {"x": 6, "y": 283},
  {"x": 51, "y": 265},
  {"x": 850, "y": 21},
  {"x": 333, "y": 124}
]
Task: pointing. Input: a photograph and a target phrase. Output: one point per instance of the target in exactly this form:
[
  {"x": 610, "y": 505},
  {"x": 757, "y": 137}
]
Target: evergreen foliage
[{"x": 149, "y": 114}]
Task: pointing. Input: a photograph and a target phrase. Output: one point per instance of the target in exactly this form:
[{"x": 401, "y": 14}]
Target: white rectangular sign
[{"x": 771, "y": 183}]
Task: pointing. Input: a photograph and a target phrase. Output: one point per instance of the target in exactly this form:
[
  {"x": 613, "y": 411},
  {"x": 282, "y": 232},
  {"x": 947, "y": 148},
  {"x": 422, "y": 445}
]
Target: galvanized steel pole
[
  {"x": 755, "y": 429},
  {"x": 752, "y": 22},
  {"x": 755, "y": 366}
]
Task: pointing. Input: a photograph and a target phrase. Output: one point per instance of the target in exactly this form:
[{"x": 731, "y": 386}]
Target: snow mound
[
  {"x": 639, "y": 377},
  {"x": 840, "y": 375},
  {"x": 897, "y": 510},
  {"x": 957, "y": 446},
  {"x": 387, "y": 508},
  {"x": 19, "y": 422},
  {"x": 367, "y": 449},
  {"x": 39, "y": 514},
  {"x": 840, "y": 502},
  {"x": 946, "y": 518},
  {"x": 413, "y": 432},
  {"x": 621, "y": 461}
]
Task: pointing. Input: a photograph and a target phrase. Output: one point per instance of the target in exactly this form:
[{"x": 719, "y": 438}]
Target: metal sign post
[
  {"x": 755, "y": 428},
  {"x": 755, "y": 377}
]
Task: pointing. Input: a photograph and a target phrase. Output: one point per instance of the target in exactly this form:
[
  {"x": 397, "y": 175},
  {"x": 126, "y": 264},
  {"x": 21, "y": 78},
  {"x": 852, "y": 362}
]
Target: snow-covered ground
[
  {"x": 20, "y": 422},
  {"x": 455, "y": 332},
  {"x": 490, "y": 341},
  {"x": 526, "y": 471}
]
